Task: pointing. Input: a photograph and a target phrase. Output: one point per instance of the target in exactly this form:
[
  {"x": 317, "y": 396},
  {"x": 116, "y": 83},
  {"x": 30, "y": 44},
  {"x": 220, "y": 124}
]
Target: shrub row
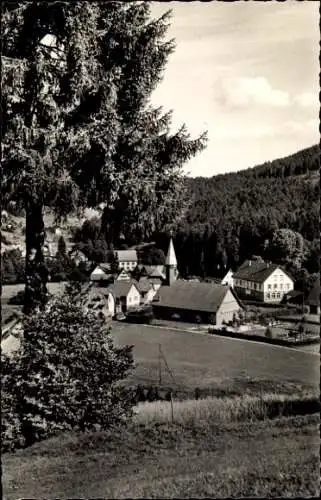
[{"x": 267, "y": 340}]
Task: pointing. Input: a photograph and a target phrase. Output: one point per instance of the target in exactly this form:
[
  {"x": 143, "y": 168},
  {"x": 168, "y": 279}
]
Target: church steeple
[{"x": 171, "y": 263}]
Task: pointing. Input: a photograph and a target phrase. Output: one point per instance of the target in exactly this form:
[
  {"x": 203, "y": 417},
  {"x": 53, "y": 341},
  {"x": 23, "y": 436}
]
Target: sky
[{"x": 247, "y": 72}]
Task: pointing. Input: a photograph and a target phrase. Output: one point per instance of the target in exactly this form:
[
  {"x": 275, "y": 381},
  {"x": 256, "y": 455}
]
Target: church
[{"x": 192, "y": 301}]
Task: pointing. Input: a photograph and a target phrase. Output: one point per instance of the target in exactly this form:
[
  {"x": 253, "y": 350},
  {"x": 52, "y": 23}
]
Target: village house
[
  {"x": 147, "y": 290},
  {"x": 228, "y": 279},
  {"x": 156, "y": 275},
  {"x": 194, "y": 301},
  {"x": 101, "y": 273},
  {"x": 127, "y": 259},
  {"x": 153, "y": 271},
  {"x": 126, "y": 294},
  {"x": 262, "y": 281},
  {"x": 123, "y": 276}
]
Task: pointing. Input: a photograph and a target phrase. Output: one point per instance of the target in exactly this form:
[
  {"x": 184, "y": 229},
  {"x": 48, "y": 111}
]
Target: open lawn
[
  {"x": 272, "y": 458},
  {"x": 9, "y": 291},
  {"x": 203, "y": 360}
]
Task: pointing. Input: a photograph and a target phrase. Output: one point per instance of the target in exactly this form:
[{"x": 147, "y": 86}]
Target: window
[
  {"x": 275, "y": 285},
  {"x": 281, "y": 286},
  {"x": 281, "y": 277},
  {"x": 288, "y": 286},
  {"x": 278, "y": 295},
  {"x": 255, "y": 286},
  {"x": 269, "y": 287},
  {"x": 267, "y": 295},
  {"x": 273, "y": 295}
]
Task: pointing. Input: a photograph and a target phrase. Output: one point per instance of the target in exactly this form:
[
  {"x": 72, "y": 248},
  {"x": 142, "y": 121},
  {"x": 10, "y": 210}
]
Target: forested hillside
[{"x": 235, "y": 215}]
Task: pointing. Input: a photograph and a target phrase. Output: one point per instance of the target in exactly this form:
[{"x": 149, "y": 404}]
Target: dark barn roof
[
  {"x": 206, "y": 297},
  {"x": 256, "y": 271},
  {"x": 122, "y": 288}
]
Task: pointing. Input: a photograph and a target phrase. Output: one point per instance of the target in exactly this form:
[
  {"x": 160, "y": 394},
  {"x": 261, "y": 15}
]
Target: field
[
  {"x": 9, "y": 291},
  {"x": 214, "y": 448},
  {"x": 272, "y": 458},
  {"x": 201, "y": 360}
]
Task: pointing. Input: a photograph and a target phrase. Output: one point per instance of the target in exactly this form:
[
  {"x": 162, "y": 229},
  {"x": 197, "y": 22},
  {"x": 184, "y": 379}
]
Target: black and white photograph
[{"x": 160, "y": 249}]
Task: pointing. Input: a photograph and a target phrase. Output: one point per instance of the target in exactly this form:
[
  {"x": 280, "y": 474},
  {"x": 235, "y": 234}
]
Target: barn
[{"x": 197, "y": 302}]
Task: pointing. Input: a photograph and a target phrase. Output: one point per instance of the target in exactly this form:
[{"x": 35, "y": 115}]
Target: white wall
[
  {"x": 133, "y": 298},
  {"x": 228, "y": 279},
  {"x": 98, "y": 274},
  {"x": 276, "y": 286},
  {"x": 149, "y": 296},
  {"x": 227, "y": 309},
  {"x": 128, "y": 266}
]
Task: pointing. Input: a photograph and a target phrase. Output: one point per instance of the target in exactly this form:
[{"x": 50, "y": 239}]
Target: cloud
[
  {"x": 237, "y": 131},
  {"x": 306, "y": 127},
  {"x": 242, "y": 92},
  {"x": 307, "y": 100}
]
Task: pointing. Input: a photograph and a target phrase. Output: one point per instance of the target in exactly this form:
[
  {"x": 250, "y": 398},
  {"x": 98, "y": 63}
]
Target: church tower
[{"x": 171, "y": 264}]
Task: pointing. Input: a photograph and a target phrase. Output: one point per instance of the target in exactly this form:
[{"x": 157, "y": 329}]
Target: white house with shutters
[
  {"x": 127, "y": 259},
  {"x": 263, "y": 281}
]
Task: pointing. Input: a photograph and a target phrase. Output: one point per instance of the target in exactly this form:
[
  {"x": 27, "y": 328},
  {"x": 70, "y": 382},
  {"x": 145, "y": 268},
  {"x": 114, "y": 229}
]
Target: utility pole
[
  {"x": 159, "y": 366},
  {"x": 161, "y": 354}
]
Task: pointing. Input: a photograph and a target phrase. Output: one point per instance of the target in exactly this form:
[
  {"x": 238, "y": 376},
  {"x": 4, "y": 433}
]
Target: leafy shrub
[
  {"x": 64, "y": 376},
  {"x": 269, "y": 333}
]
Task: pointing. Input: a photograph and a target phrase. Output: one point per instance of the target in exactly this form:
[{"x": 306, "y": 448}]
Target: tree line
[{"x": 234, "y": 216}]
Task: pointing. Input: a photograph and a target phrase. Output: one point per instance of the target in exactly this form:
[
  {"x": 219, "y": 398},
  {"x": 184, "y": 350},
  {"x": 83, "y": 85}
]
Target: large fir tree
[{"x": 78, "y": 128}]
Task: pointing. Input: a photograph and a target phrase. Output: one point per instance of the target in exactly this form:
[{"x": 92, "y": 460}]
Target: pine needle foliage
[{"x": 78, "y": 126}]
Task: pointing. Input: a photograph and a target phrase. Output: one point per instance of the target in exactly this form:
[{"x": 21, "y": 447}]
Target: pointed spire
[{"x": 171, "y": 257}]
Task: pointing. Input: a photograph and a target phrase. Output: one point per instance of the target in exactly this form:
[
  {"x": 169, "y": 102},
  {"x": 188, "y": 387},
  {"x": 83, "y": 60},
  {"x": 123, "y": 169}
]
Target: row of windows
[
  {"x": 255, "y": 286},
  {"x": 128, "y": 265},
  {"x": 275, "y": 286},
  {"x": 273, "y": 295},
  {"x": 133, "y": 299}
]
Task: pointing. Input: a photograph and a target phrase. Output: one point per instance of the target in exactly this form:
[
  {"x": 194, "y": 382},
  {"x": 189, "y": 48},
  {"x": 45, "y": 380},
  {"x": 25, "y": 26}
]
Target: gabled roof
[
  {"x": 156, "y": 271},
  {"x": 205, "y": 297},
  {"x": 126, "y": 255},
  {"x": 171, "y": 257},
  {"x": 155, "y": 280},
  {"x": 144, "y": 285},
  {"x": 122, "y": 288},
  {"x": 257, "y": 271},
  {"x": 314, "y": 295},
  {"x": 104, "y": 266},
  {"x": 123, "y": 275}
]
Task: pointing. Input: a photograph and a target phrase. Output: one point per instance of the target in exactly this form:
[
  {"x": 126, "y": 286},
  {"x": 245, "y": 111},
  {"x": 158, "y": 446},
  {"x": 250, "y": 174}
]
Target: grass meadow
[
  {"x": 202, "y": 360},
  {"x": 229, "y": 409},
  {"x": 190, "y": 459},
  {"x": 253, "y": 433}
]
